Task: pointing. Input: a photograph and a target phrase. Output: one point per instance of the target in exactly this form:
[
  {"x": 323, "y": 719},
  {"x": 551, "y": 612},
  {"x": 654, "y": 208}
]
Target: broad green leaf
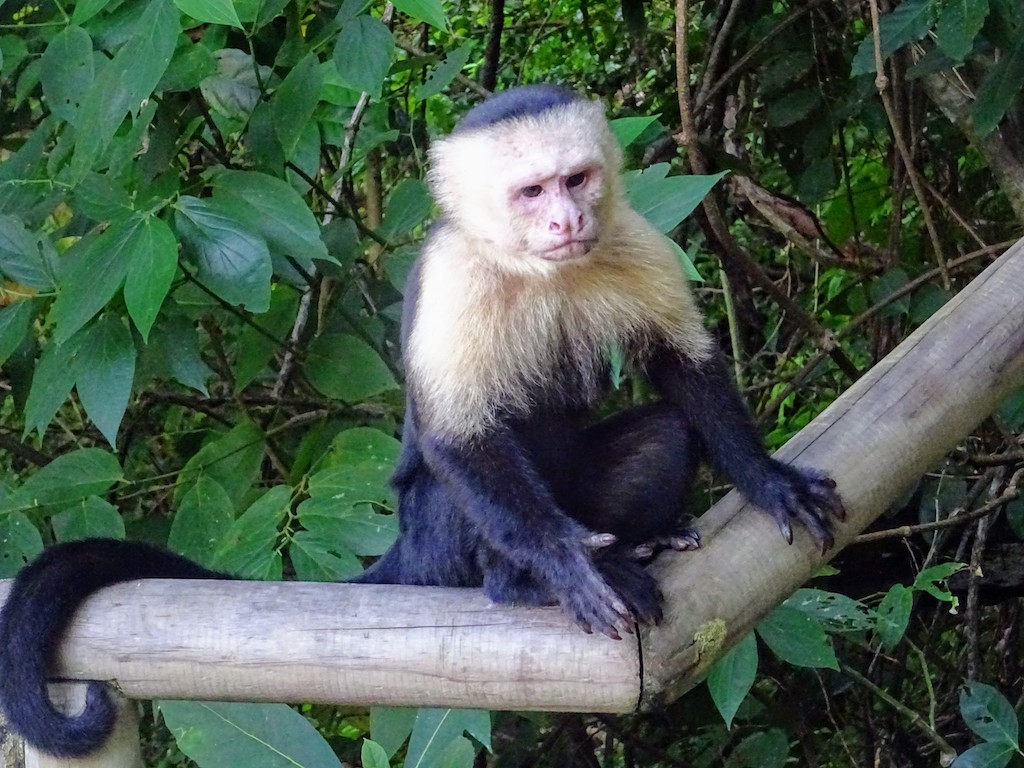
[
  {"x": 106, "y": 371},
  {"x": 202, "y": 522},
  {"x": 125, "y": 83},
  {"x": 294, "y": 101},
  {"x": 86, "y": 9},
  {"x": 15, "y": 321},
  {"x": 220, "y": 734},
  {"x": 430, "y": 11},
  {"x": 52, "y": 381},
  {"x": 363, "y": 54},
  {"x": 234, "y": 90},
  {"x": 363, "y": 444},
  {"x": 152, "y": 255},
  {"x": 792, "y": 107},
  {"x": 232, "y": 459},
  {"x": 272, "y": 208},
  {"x": 173, "y": 354},
  {"x": 894, "y": 615},
  {"x": 90, "y": 517},
  {"x": 230, "y": 259},
  {"x": 188, "y": 69},
  {"x": 408, "y": 206},
  {"x": 929, "y": 580},
  {"x": 460, "y": 753},
  {"x": 20, "y": 257},
  {"x": 986, "y": 755},
  {"x": 355, "y": 526},
  {"x": 71, "y": 478},
  {"x": 689, "y": 270},
  {"x": 258, "y": 343},
  {"x": 628, "y": 129},
  {"x": 797, "y": 638},
  {"x": 441, "y": 76},
  {"x": 959, "y": 23},
  {"x": 259, "y": 12},
  {"x": 20, "y": 543},
  {"x": 66, "y": 71},
  {"x": 840, "y": 612},
  {"x": 95, "y": 268},
  {"x": 731, "y": 677},
  {"x": 666, "y": 200},
  {"x": 391, "y": 726},
  {"x": 341, "y": 366},
  {"x": 1001, "y": 86},
  {"x": 322, "y": 558},
  {"x": 249, "y": 549},
  {"x": 373, "y": 755},
  {"x": 210, "y": 11},
  {"x": 766, "y": 749},
  {"x": 436, "y": 729},
  {"x": 989, "y": 714},
  {"x": 907, "y": 23},
  {"x": 102, "y": 198}
]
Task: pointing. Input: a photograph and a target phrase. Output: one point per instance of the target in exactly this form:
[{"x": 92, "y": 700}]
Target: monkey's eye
[
  {"x": 532, "y": 191},
  {"x": 576, "y": 179}
]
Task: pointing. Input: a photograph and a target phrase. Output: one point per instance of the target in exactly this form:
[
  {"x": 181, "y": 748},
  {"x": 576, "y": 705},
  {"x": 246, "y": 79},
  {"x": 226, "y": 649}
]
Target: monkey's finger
[
  {"x": 685, "y": 541},
  {"x": 642, "y": 552},
  {"x": 599, "y": 540}
]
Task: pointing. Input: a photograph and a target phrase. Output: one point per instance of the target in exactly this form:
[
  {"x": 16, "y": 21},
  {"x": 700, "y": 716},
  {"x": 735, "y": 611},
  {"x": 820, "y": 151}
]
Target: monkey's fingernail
[
  {"x": 600, "y": 540},
  {"x": 787, "y": 531},
  {"x": 643, "y": 551}
]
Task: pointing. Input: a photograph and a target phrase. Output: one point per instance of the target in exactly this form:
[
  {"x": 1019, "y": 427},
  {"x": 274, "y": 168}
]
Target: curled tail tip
[{"x": 33, "y": 715}]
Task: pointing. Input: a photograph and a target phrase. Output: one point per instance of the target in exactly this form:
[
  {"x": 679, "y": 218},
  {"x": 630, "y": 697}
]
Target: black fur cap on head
[{"x": 522, "y": 101}]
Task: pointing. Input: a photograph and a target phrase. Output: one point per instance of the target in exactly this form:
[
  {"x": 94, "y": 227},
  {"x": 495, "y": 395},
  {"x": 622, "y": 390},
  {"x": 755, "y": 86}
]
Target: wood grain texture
[{"x": 876, "y": 440}]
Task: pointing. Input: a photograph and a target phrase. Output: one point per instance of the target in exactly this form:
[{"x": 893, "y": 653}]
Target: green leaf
[
  {"x": 322, "y": 558},
  {"x": 460, "y": 753},
  {"x": 436, "y": 729},
  {"x": 797, "y": 638},
  {"x": 359, "y": 530},
  {"x": 986, "y": 755},
  {"x": 52, "y": 381},
  {"x": 20, "y": 543},
  {"x": 767, "y": 749},
  {"x": 230, "y": 260},
  {"x": 628, "y": 129},
  {"x": 234, "y": 90},
  {"x": 86, "y": 9},
  {"x": 1001, "y": 86},
  {"x": 249, "y": 549},
  {"x": 430, "y": 11},
  {"x": 894, "y": 615},
  {"x": 341, "y": 366},
  {"x": 15, "y": 322},
  {"x": 232, "y": 459},
  {"x": 70, "y": 478},
  {"x": 106, "y": 370},
  {"x": 989, "y": 714},
  {"x": 202, "y": 522},
  {"x": 95, "y": 269},
  {"x": 841, "y": 613},
  {"x": 929, "y": 580},
  {"x": 218, "y": 734},
  {"x": 294, "y": 101},
  {"x": 373, "y": 755},
  {"x": 90, "y": 517},
  {"x": 173, "y": 353},
  {"x": 959, "y": 23},
  {"x": 907, "y": 23},
  {"x": 792, "y": 107},
  {"x": 125, "y": 83},
  {"x": 152, "y": 255},
  {"x": 20, "y": 257},
  {"x": 391, "y": 726},
  {"x": 408, "y": 205},
  {"x": 66, "y": 71},
  {"x": 441, "y": 76},
  {"x": 732, "y": 676},
  {"x": 272, "y": 208},
  {"x": 210, "y": 11},
  {"x": 363, "y": 54},
  {"x": 666, "y": 200}
]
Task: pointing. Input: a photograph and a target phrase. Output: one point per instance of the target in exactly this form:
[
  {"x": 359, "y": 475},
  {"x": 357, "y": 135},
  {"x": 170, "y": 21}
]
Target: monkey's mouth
[{"x": 571, "y": 249}]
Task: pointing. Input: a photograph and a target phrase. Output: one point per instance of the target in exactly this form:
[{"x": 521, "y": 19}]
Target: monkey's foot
[
  {"x": 683, "y": 539},
  {"x": 807, "y": 496}
]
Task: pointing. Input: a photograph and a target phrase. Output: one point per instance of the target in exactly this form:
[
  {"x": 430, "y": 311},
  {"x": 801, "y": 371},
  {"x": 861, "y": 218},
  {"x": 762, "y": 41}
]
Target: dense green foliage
[{"x": 207, "y": 210}]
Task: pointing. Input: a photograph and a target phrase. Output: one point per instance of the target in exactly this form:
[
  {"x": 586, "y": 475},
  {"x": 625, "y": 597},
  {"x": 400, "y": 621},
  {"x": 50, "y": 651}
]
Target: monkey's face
[{"x": 554, "y": 217}]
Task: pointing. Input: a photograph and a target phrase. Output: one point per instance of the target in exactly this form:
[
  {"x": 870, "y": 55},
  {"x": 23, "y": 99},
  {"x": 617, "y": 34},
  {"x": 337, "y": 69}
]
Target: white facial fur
[{"x": 532, "y": 189}]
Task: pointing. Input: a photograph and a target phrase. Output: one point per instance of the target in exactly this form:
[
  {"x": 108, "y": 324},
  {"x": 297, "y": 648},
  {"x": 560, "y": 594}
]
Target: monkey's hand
[{"x": 808, "y": 496}]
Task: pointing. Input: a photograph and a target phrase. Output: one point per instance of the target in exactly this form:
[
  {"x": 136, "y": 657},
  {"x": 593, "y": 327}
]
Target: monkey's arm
[
  {"x": 504, "y": 498},
  {"x": 730, "y": 440}
]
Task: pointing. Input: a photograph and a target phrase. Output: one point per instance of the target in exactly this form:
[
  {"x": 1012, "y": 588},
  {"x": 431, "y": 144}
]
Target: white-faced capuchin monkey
[{"x": 537, "y": 268}]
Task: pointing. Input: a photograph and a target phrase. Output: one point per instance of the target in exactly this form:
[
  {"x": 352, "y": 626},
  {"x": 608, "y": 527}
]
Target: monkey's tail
[{"x": 38, "y": 610}]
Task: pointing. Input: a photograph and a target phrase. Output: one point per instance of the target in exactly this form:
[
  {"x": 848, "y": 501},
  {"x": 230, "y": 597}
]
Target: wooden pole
[
  {"x": 876, "y": 440},
  {"x": 426, "y": 646}
]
